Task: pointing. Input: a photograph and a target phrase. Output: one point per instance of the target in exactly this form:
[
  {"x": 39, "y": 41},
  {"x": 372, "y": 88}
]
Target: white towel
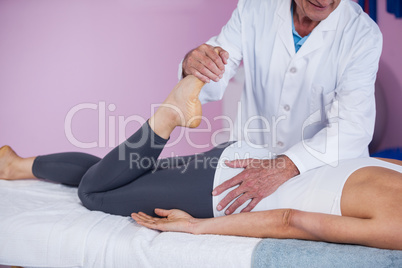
[{"x": 43, "y": 224}]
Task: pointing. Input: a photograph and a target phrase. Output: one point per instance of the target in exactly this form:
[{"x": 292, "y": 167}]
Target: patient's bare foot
[
  {"x": 7, "y": 157},
  {"x": 184, "y": 99},
  {"x": 181, "y": 108},
  {"x": 13, "y": 167}
]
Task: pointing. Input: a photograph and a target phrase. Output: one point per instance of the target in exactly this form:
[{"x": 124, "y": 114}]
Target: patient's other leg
[{"x": 66, "y": 168}]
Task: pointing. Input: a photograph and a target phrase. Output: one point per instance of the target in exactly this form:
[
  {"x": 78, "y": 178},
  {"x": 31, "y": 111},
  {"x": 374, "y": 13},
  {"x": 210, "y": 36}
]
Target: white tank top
[{"x": 317, "y": 190}]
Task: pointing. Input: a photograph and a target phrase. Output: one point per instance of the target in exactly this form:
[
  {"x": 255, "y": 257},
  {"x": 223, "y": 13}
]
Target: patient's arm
[
  {"x": 285, "y": 224},
  {"x": 280, "y": 223},
  {"x": 370, "y": 206}
]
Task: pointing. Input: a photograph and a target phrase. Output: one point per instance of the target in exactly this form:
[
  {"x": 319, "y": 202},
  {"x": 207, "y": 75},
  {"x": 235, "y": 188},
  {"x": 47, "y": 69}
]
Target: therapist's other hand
[
  {"x": 259, "y": 179},
  {"x": 173, "y": 220},
  {"x": 206, "y": 63}
]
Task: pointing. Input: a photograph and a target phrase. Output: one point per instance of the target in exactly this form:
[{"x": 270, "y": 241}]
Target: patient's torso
[{"x": 317, "y": 190}]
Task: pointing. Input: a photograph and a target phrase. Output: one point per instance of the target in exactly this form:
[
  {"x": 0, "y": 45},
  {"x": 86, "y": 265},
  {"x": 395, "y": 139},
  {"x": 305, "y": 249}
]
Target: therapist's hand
[
  {"x": 206, "y": 63},
  {"x": 259, "y": 179}
]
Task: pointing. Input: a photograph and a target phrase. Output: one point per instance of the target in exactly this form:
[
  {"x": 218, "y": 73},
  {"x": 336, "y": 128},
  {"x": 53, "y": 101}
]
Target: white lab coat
[{"x": 316, "y": 106}]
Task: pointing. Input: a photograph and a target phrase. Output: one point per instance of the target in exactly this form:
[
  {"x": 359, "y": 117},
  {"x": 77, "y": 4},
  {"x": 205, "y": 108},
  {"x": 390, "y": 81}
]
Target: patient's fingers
[
  {"x": 147, "y": 223},
  {"x": 139, "y": 218},
  {"x": 147, "y": 219},
  {"x": 144, "y": 215},
  {"x": 135, "y": 217}
]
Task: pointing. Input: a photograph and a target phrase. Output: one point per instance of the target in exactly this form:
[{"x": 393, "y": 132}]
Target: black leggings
[{"x": 131, "y": 179}]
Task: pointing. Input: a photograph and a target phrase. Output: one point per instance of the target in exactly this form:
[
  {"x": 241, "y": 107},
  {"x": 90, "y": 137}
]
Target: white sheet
[{"x": 43, "y": 224}]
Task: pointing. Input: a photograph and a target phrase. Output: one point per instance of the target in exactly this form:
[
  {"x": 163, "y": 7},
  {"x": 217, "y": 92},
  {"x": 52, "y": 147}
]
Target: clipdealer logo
[{"x": 326, "y": 150}]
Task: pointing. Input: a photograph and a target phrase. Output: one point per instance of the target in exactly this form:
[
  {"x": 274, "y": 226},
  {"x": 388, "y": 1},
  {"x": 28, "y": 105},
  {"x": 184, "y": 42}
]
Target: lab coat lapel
[
  {"x": 314, "y": 42},
  {"x": 316, "y": 38},
  {"x": 284, "y": 17}
]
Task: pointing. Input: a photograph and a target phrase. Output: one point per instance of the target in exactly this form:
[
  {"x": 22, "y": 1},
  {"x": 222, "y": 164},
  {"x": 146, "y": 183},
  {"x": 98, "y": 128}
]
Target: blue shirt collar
[{"x": 298, "y": 40}]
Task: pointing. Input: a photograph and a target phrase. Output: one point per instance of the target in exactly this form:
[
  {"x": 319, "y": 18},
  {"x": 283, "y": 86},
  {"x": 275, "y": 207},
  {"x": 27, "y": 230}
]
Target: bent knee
[{"x": 88, "y": 199}]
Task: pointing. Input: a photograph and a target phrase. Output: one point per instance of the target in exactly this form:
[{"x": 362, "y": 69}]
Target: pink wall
[
  {"x": 390, "y": 75},
  {"x": 55, "y": 55}
]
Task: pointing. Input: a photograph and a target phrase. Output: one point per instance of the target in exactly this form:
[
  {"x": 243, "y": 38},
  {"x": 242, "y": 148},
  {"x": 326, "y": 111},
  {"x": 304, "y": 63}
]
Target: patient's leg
[
  {"x": 96, "y": 178},
  {"x": 137, "y": 156},
  {"x": 187, "y": 187},
  {"x": 117, "y": 169}
]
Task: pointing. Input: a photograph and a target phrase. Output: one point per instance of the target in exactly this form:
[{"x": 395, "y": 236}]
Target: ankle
[
  {"x": 9, "y": 170},
  {"x": 20, "y": 168},
  {"x": 163, "y": 122}
]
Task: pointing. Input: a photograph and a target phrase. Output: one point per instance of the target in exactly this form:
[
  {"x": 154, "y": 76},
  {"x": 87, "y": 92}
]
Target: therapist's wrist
[
  {"x": 184, "y": 65},
  {"x": 289, "y": 166}
]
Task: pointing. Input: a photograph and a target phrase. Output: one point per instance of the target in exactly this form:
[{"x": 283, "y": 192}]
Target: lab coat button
[
  {"x": 287, "y": 108},
  {"x": 280, "y": 144},
  {"x": 293, "y": 70}
]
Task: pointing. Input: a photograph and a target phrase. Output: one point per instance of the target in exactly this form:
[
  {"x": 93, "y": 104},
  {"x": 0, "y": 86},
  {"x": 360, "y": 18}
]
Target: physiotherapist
[{"x": 310, "y": 68}]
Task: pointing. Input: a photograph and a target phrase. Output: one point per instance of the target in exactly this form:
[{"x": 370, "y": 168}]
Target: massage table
[{"x": 44, "y": 224}]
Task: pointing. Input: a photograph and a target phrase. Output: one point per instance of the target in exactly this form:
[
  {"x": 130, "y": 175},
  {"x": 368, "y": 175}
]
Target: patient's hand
[{"x": 173, "y": 220}]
